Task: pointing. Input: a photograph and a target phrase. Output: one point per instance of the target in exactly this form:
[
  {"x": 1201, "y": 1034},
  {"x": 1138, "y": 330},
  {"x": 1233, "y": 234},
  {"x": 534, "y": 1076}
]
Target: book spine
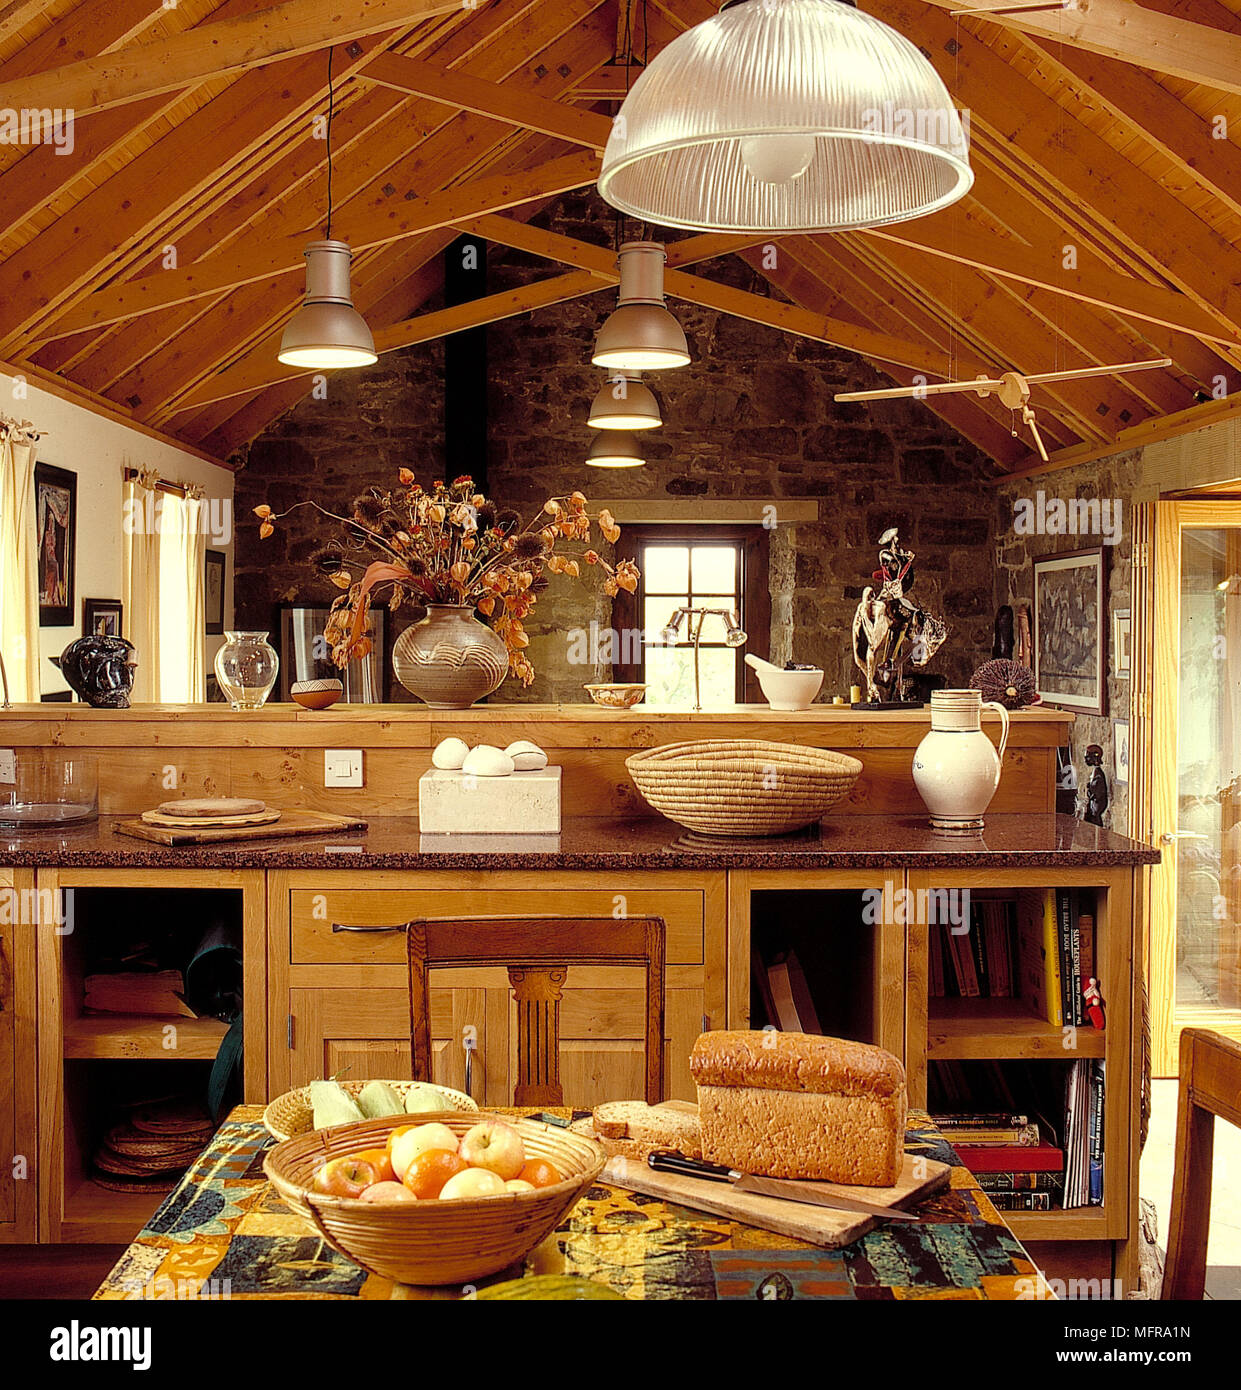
[
  {"x": 1075, "y": 955},
  {"x": 980, "y": 1119},
  {"x": 1096, "y": 1133},
  {"x": 978, "y": 950},
  {"x": 1051, "y": 962},
  {"x": 1064, "y": 951},
  {"x": 1021, "y": 1201},
  {"x": 1020, "y": 1182}
]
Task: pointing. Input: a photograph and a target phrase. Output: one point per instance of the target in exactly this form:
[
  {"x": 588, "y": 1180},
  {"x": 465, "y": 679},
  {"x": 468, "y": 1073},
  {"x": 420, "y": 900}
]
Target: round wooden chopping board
[
  {"x": 209, "y": 822},
  {"x": 198, "y": 808}
]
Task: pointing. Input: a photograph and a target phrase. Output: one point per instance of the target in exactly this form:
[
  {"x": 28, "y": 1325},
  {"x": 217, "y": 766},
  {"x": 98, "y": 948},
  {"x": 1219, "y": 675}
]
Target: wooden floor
[{"x": 55, "y": 1271}]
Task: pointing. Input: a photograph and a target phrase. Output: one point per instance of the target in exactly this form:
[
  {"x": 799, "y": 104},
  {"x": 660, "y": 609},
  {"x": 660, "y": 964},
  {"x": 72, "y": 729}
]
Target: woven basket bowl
[
  {"x": 434, "y": 1242},
  {"x": 292, "y": 1113},
  {"x": 742, "y": 787}
]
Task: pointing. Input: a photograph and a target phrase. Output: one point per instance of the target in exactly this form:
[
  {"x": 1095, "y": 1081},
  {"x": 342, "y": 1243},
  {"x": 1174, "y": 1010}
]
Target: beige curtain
[
  {"x": 183, "y": 545},
  {"x": 140, "y": 582},
  {"x": 19, "y": 585}
]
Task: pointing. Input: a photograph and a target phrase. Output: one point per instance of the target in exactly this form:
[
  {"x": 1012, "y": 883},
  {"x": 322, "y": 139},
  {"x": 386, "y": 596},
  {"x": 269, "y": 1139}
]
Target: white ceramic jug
[{"x": 956, "y": 768}]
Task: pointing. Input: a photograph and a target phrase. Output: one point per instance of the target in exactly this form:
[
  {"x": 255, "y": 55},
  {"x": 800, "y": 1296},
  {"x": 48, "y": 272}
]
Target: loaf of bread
[{"x": 793, "y": 1105}]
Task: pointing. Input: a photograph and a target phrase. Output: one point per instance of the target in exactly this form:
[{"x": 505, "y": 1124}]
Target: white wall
[{"x": 98, "y": 450}]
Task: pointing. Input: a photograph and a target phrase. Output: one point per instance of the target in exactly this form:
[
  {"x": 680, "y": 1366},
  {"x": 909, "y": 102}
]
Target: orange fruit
[
  {"x": 539, "y": 1173},
  {"x": 381, "y": 1162},
  {"x": 430, "y": 1170}
]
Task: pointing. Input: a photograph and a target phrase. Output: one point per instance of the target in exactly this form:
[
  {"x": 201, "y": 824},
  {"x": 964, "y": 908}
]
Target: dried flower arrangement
[{"x": 451, "y": 545}]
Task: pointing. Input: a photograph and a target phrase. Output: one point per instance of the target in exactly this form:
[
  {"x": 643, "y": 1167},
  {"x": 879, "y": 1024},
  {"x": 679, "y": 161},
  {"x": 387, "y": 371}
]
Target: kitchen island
[{"x": 321, "y": 922}]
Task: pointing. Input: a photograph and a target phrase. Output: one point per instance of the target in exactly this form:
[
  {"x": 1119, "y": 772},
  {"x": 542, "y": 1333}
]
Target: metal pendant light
[
  {"x": 327, "y": 331},
  {"x": 640, "y": 335},
  {"x": 786, "y": 116},
  {"x": 625, "y": 403},
  {"x": 616, "y": 449}
]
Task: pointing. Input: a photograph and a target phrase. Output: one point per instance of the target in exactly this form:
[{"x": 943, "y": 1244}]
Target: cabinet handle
[
  {"x": 4, "y": 977},
  {"x": 342, "y": 926},
  {"x": 470, "y": 1047}
]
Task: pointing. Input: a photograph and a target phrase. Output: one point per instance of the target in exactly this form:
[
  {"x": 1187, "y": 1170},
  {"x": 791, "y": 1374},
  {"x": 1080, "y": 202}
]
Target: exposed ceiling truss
[{"x": 153, "y": 268}]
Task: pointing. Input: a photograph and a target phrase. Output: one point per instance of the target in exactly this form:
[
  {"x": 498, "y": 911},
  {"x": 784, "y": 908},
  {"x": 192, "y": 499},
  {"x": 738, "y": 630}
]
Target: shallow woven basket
[
  {"x": 292, "y": 1113},
  {"x": 744, "y": 786},
  {"x": 434, "y": 1242}
]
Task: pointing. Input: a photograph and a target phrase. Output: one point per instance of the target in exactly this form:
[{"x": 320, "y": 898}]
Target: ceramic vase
[
  {"x": 449, "y": 659},
  {"x": 956, "y": 767},
  {"x": 246, "y": 667}
]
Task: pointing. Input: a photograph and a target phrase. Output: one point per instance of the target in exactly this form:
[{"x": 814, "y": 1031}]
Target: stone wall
[
  {"x": 1116, "y": 479},
  {"x": 751, "y": 418}
]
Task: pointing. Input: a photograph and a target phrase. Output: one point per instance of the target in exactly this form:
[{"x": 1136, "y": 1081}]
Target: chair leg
[
  {"x": 537, "y": 993},
  {"x": 1186, "y": 1267}
]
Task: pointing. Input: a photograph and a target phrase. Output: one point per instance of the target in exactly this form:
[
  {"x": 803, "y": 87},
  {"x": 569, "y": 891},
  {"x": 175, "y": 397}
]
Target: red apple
[
  {"x": 344, "y": 1177},
  {"x": 496, "y": 1147},
  {"x": 472, "y": 1182},
  {"x": 407, "y": 1144},
  {"x": 388, "y": 1192}
]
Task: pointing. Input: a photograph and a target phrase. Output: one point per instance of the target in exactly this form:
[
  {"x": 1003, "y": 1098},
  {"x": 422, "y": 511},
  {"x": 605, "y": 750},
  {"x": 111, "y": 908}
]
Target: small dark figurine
[
  {"x": 1096, "y": 786},
  {"x": 1006, "y": 683},
  {"x": 99, "y": 669},
  {"x": 888, "y": 630}
]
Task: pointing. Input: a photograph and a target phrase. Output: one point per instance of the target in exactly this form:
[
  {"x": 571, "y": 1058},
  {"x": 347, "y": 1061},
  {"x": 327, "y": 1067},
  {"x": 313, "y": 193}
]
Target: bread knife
[{"x": 785, "y": 1189}]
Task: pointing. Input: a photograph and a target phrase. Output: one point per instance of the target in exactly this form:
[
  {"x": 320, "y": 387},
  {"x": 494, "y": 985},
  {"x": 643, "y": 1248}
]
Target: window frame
[{"x": 753, "y": 592}]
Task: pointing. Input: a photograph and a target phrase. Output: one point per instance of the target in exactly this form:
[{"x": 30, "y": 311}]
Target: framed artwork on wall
[
  {"x": 1070, "y": 634},
  {"x": 102, "y": 617},
  {"x": 213, "y": 591},
  {"x": 56, "y": 519},
  {"x": 1122, "y": 634},
  {"x": 1120, "y": 744}
]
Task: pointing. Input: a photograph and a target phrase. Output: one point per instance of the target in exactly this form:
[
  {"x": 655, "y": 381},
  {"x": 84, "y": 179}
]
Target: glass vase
[{"x": 246, "y": 667}]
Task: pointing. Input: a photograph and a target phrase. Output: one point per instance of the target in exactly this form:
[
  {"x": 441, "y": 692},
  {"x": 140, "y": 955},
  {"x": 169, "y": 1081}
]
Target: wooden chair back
[
  {"x": 538, "y": 952},
  {"x": 1210, "y": 1086}
]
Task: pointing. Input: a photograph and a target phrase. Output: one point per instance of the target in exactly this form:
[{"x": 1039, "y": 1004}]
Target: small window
[{"x": 718, "y": 567}]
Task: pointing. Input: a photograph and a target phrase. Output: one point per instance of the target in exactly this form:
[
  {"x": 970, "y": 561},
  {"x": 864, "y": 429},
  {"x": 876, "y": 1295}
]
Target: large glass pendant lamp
[
  {"x": 327, "y": 331},
  {"x": 625, "y": 403},
  {"x": 640, "y": 335},
  {"x": 786, "y": 116}
]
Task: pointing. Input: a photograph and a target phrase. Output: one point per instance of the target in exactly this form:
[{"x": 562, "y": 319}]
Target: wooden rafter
[
  {"x": 1125, "y": 31},
  {"x": 164, "y": 289},
  {"x": 225, "y": 47}
]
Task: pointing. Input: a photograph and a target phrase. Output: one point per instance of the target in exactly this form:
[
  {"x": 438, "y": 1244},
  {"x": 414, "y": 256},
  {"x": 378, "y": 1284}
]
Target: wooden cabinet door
[
  {"x": 356, "y": 1034},
  {"x": 18, "y": 1078}
]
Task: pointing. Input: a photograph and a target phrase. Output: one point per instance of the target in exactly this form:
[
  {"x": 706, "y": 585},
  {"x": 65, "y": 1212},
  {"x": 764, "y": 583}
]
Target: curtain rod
[{"x": 160, "y": 485}]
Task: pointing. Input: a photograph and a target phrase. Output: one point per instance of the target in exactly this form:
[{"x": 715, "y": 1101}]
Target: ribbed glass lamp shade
[
  {"x": 640, "y": 335},
  {"x": 625, "y": 403},
  {"x": 327, "y": 331},
  {"x": 786, "y": 116},
  {"x": 615, "y": 449}
]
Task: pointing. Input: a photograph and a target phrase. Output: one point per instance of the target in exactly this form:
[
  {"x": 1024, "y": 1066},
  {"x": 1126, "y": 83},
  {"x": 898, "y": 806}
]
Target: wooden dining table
[{"x": 224, "y": 1233}]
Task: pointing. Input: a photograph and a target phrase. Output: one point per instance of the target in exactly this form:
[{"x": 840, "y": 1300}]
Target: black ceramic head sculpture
[{"x": 100, "y": 670}]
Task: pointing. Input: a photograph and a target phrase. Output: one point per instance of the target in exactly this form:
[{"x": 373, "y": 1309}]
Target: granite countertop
[{"x": 393, "y": 842}]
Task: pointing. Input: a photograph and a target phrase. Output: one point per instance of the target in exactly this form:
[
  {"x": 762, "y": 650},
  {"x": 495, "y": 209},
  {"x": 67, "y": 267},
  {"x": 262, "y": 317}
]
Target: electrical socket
[{"x": 342, "y": 767}]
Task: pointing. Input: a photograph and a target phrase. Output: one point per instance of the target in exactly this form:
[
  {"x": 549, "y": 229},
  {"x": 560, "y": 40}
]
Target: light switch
[{"x": 342, "y": 767}]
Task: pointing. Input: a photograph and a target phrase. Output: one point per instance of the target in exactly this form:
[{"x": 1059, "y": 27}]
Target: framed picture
[
  {"x": 1122, "y": 633},
  {"x": 1120, "y": 742},
  {"x": 1070, "y": 657},
  {"x": 102, "y": 617},
  {"x": 215, "y": 696},
  {"x": 56, "y": 517},
  {"x": 213, "y": 591}
]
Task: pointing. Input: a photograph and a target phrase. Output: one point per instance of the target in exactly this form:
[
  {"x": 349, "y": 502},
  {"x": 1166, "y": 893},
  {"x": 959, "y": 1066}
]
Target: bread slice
[{"x": 648, "y": 1127}]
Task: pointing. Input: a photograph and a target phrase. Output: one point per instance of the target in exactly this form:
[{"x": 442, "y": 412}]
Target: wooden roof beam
[
  {"x": 1122, "y": 30},
  {"x": 209, "y": 51}
]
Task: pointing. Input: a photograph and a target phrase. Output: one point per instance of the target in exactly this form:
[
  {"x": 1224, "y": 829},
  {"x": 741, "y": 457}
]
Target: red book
[{"x": 1009, "y": 1158}]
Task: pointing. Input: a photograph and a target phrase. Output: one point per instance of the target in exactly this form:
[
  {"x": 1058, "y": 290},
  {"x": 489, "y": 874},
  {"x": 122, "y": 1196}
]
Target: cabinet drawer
[{"x": 347, "y": 926}]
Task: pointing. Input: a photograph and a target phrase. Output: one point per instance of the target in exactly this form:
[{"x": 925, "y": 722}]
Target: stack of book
[
  {"x": 1083, "y": 1134},
  {"x": 1009, "y": 1156},
  {"x": 977, "y": 963}
]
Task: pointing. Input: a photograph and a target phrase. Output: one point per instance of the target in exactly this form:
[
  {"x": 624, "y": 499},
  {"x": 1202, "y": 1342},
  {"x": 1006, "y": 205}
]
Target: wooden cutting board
[
  {"x": 290, "y": 823},
  {"x": 815, "y": 1225}
]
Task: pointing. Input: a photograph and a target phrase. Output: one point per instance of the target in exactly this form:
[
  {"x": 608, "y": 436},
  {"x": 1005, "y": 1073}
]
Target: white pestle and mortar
[
  {"x": 488, "y": 790},
  {"x": 786, "y": 690}
]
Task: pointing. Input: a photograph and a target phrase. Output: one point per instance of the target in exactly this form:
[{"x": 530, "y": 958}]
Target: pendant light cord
[{"x": 330, "y": 114}]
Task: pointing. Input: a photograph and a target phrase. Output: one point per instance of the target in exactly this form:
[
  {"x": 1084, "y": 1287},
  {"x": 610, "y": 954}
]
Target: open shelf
[
  {"x": 118, "y": 1036},
  {"x": 964, "y": 1029},
  {"x": 1077, "y": 1223}
]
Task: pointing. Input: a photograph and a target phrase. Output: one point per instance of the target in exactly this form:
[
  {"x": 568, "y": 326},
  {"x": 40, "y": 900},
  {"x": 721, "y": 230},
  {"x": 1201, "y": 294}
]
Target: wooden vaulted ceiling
[{"x": 154, "y": 267}]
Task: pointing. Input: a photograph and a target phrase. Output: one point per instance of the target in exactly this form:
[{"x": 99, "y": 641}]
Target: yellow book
[{"x": 1038, "y": 954}]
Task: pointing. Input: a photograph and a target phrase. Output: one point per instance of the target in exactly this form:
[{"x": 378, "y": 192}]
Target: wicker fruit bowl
[
  {"x": 434, "y": 1242},
  {"x": 292, "y": 1113},
  {"x": 744, "y": 786}
]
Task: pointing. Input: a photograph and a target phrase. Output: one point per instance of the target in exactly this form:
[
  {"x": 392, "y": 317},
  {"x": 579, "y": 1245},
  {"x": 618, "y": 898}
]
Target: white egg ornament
[
  {"x": 450, "y": 754},
  {"x": 488, "y": 761},
  {"x": 526, "y": 756}
]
